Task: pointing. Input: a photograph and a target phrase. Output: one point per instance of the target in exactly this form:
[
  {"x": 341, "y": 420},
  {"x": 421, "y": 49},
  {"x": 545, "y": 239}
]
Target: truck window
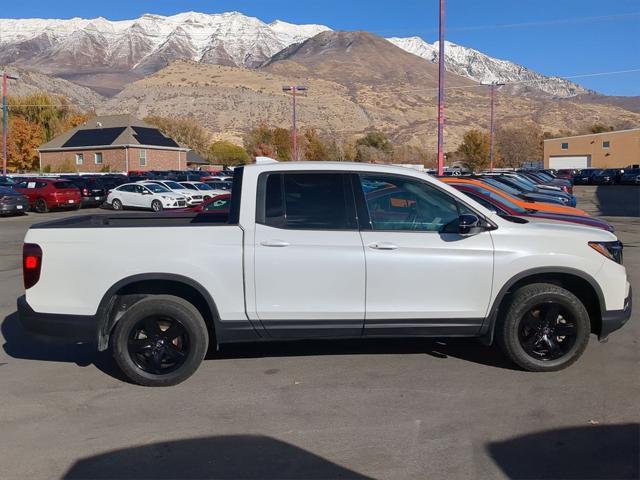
[
  {"x": 316, "y": 201},
  {"x": 399, "y": 203}
]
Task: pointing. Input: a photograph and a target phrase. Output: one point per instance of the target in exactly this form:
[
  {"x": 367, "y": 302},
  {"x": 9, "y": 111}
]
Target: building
[
  {"x": 597, "y": 150},
  {"x": 116, "y": 143}
]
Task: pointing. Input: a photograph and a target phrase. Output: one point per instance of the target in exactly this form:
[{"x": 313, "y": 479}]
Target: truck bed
[{"x": 137, "y": 220}]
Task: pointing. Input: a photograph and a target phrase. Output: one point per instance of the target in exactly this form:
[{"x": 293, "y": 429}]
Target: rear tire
[
  {"x": 41, "y": 206},
  {"x": 160, "y": 341},
  {"x": 546, "y": 328},
  {"x": 116, "y": 204}
]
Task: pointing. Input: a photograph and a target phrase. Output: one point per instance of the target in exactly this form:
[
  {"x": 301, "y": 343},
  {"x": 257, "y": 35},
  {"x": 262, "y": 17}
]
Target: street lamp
[
  {"x": 493, "y": 86},
  {"x": 293, "y": 90},
  {"x": 5, "y": 77},
  {"x": 441, "y": 80}
]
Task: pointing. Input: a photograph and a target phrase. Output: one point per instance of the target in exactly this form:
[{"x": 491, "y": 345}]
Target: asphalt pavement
[{"x": 391, "y": 409}]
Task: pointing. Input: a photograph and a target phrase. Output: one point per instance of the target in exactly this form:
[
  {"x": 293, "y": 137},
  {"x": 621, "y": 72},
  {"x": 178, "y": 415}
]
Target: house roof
[
  {"x": 111, "y": 131},
  {"x": 194, "y": 159}
]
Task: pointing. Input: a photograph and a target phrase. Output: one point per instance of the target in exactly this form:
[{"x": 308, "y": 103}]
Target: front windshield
[
  {"x": 175, "y": 186},
  {"x": 526, "y": 185},
  {"x": 155, "y": 188},
  {"x": 202, "y": 186}
]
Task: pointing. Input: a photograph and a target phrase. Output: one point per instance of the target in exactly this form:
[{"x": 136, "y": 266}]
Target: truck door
[
  {"x": 421, "y": 280},
  {"x": 309, "y": 262}
]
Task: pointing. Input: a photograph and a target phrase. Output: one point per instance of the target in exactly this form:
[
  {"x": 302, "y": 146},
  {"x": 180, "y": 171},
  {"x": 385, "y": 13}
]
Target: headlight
[
  {"x": 611, "y": 250},
  {"x": 166, "y": 198}
]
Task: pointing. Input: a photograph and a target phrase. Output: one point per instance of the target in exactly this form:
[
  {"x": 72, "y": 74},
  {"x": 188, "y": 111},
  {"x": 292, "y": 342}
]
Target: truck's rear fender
[
  {"x": 579, "y": 283},
  {"x": 128, "y": 291}
]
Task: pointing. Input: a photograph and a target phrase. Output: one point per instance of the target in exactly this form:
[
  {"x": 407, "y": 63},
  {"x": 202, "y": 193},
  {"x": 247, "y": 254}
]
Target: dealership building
[
  {"x": 116, "y": 143},
  {"x": 616, "y": 149}
]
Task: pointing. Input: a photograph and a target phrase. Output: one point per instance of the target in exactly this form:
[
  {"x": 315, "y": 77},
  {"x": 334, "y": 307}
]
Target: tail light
[
  {"x": 31, "y": 264},
  {"x": 85, "y": 192},
  {"x": 565, "y": 189}
]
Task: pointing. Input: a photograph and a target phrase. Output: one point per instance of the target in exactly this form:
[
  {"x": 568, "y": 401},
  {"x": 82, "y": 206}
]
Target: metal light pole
[
  {"x": 492, "y": 122},
  {"x": 5, "y": 77},
  {"x": 294, "y": 131},
  {"x": 441, "y": 91}
]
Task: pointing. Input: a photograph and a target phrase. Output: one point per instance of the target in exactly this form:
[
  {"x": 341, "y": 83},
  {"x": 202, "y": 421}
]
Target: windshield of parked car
[
  {"x": 155, "y": 188},
  {"x": 502, "y": 186},
  {"x": 175, "y": 186},
  {"x": 202, "y": 186},
  {"x": 525, "y": 184},
  {"x": 498, "y": 200},
  {"x": 7, "y": 191}
]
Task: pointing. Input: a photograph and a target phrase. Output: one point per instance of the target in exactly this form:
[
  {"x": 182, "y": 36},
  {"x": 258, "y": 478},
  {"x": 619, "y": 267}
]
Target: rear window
[
  {"x": 63, "y": 185},
  {"x": 315, "y": 201}
]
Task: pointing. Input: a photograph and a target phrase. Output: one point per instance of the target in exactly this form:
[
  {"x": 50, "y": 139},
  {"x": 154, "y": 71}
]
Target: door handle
[
  {"x": 274, "y": 243},
  {"x": 383, "y": 246}
]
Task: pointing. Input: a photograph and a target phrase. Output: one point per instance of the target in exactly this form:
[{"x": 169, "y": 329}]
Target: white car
[
  {"x": 323, "y": 250},
  {"x": 207, "y": 191},
  {"x": 151, "y": 196},
  {"x": 193, "y": 198}
]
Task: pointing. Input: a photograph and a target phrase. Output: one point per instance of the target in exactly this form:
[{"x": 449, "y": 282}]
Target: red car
[
  {"x": 502, "y": 206},
  {"x": 47, "y": 193},
  {"x": 218, "y": 204}
]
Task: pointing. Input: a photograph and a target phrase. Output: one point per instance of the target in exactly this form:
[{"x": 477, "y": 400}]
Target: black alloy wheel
[
  {"x": 41, "y": 206},
  {"x": 158, "y": 345},
  {"x": 547, "y": 331}
]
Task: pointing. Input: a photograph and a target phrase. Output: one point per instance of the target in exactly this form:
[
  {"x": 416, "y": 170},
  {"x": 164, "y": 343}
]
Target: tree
[
  {"x": 226, "y": 153},
  {"x": 313, "y": 146},
  {"x": 258, "y": 142},
  {"x": 517, "y": 145},
  {"x": 601, "y": 128},
  {"x": 374, "y": 147},
  {"x": 185, "y": 131},
  {"x": 474, "y": 149},
  {"x": 23, "y": 138}
]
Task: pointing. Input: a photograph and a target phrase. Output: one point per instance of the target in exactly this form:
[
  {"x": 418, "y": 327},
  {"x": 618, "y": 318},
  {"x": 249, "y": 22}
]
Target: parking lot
[{"x": 348, "y": 409}]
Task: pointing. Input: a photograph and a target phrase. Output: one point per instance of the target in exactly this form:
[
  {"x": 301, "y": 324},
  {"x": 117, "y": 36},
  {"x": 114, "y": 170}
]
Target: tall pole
[
  {"x": 293, "y": 90},
  {"x": 4, "y": 123},
  {"x": 492, "y": 122},
  {"x": 294, "y": 130},
  {"x": 441, "y": 91},
  {"x": 5, "y": 115},
  {"x": 493, "y": 101}
]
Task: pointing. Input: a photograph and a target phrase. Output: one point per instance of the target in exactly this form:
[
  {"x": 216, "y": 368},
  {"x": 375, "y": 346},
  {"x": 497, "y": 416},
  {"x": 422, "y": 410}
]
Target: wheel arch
[
  {"x": 126, "y": 292},
  {"x": 581, "y": 284}
]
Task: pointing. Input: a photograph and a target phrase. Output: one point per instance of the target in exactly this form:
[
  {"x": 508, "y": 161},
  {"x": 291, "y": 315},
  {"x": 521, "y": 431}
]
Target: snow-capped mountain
[
  {"x": 482, "y": 68},
  {"x": 106, "y": 55},
  {"x": 148, "y": 42}
]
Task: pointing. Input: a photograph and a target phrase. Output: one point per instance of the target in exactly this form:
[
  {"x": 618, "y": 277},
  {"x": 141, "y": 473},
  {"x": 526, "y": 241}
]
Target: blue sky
[{"x": 554, "y": 37}]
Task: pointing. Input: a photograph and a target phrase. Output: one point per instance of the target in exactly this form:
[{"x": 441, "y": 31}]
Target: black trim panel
[
  {"x": 67, "y": 328},
  {"x": 307, "y": 329},
  {"x": 613, "y": 320}
]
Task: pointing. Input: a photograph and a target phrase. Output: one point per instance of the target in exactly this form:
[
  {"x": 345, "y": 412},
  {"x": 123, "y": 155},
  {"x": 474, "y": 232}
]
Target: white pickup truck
[{"x": 330, "y": 250}]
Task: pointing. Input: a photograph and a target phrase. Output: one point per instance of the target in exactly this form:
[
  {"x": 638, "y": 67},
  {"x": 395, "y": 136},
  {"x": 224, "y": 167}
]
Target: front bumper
[
  {"x": 67, "y": 328},
  {"x": 613, "y": 320}
]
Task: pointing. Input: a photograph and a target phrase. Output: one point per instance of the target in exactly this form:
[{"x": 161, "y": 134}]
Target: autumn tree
[
  {"x": 185, "y": 131},
  {"x": 517, "y": 145},
  {"x": 314, "y": 148},
  {"x": 474, "y": 149},
  {"x": 23, "y": 139},
  {"x": 374, "y": 147},
  {"x": 226, "y": 153}
]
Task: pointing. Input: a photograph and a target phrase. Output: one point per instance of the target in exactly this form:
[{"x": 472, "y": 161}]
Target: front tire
[
  {"x": 156, "y": 206},
  {"x": 160, "y": 341},
  {"x": 546, "y": 328}
]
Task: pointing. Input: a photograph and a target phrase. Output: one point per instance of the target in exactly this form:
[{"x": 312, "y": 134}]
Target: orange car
[{"x": 539, "y": 206}]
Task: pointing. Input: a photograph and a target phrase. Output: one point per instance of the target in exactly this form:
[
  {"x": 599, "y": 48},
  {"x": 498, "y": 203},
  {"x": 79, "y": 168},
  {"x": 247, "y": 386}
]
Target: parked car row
[
  {"x": 607, "y": 176},
  {"x": 42, "y": 194}
]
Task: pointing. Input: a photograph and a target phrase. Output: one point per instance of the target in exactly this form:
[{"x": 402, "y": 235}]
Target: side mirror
[{"x": 468, "y": 224}]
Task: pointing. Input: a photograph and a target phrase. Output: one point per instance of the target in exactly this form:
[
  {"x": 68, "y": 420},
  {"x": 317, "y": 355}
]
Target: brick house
[{"x": 116, "y": 143}]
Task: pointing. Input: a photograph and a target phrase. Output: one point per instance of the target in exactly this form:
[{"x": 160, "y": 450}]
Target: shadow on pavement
[
  {"x": 589, "y": 452},
  {"x": 19, "y": 344},
  {"x": 618, "y": 200},
  {"x": 220, "y": 457}
]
